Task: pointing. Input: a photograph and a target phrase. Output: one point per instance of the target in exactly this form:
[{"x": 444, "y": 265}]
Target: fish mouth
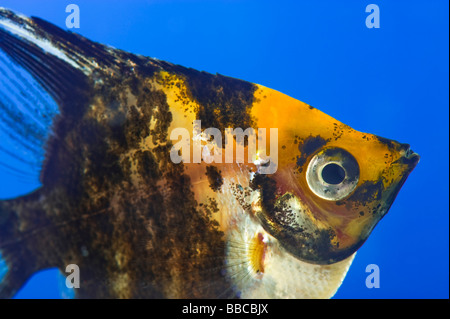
[
  {"x": 408, "y": 157},
  {"x": 409, "y": 160}
]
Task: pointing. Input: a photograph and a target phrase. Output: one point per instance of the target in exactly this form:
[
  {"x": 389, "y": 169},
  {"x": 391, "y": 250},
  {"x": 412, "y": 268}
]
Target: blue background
[{"x": 391, "y": 81}]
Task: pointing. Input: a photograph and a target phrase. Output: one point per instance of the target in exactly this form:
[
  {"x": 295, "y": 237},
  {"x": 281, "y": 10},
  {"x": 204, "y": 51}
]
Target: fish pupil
[{"x": 333, "y": 174}]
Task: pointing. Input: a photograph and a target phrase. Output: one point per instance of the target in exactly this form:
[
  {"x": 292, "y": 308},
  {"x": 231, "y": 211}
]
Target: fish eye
[{"x": 332, "y": 174}]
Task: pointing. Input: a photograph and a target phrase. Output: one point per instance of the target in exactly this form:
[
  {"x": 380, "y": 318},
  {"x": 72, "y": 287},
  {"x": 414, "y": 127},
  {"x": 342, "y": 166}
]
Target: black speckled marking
[
  {"x": 367, "y": 192},
  {"x": 214, "y": 177},
  {"x": 389, "y": 143},
  {"x": 224, "y": 101},
  {"x": 308, "y": 147},
  {"x": 268, "y": 188}
]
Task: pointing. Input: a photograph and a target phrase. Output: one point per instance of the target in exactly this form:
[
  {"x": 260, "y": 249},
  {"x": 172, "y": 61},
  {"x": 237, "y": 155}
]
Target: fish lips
[{"x": 410, "y": 158}]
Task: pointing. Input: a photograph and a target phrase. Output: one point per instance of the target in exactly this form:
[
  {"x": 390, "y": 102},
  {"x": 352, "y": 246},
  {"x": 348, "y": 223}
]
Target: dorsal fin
[{"x": 39, "y": 79}]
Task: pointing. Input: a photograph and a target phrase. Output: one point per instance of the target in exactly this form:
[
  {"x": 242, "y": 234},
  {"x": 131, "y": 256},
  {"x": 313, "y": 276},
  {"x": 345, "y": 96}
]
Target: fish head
[{"x": 333, "y": 184}]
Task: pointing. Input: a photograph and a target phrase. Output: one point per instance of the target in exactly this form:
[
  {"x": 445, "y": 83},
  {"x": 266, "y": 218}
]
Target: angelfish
[{"x": 89, "y": 127}]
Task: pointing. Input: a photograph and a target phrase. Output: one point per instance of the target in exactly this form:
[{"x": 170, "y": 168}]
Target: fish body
[{"x": 95, "y": 125}]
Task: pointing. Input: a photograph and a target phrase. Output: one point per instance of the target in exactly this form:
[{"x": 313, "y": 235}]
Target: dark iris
[{"x": 333, "y": 174}]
